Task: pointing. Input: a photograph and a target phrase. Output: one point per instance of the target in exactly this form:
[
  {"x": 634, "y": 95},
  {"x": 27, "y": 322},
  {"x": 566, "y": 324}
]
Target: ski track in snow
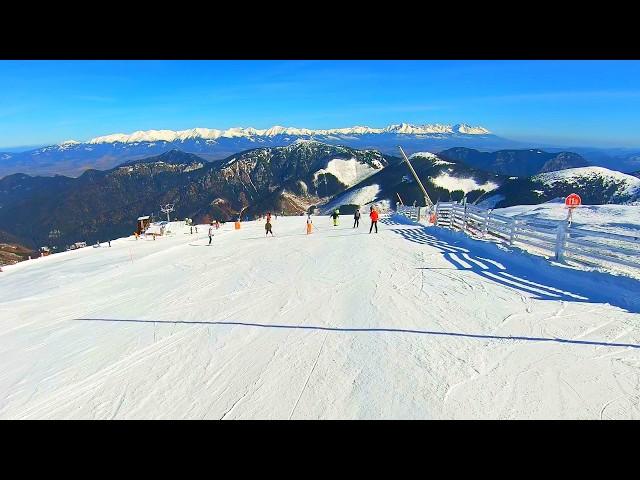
[{"x": 336, "y": 324}]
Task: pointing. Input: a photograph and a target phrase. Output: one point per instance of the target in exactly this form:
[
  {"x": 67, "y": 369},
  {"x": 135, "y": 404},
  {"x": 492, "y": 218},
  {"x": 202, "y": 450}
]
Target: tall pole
[
  {"x": 166, "y": 209},
  {"x": 427, "y": 200}
]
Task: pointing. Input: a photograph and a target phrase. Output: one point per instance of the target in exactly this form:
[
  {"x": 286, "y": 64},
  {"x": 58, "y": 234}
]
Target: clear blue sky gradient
[{"x": 593, "y": 103}]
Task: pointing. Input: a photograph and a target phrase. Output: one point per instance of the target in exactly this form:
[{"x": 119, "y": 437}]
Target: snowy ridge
[
  {"x": 214, "y": 134},
  {"x": 580, "y": 176}
]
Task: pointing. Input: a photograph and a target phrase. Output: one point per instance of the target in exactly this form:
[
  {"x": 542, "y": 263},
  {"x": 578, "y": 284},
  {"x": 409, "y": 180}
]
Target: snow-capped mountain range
[
  {"x": 72, "y": 157},
  {"x": 214, "y": 134}
]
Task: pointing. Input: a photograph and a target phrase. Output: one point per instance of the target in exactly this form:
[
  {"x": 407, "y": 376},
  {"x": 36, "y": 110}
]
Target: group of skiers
[
  {"x": 373, "y": 215},
  {"x": 335, "y": 215}
]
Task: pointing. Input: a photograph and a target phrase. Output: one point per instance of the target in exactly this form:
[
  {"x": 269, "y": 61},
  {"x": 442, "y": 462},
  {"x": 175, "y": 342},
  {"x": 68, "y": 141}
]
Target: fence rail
[{"x": 556, "y": 239}]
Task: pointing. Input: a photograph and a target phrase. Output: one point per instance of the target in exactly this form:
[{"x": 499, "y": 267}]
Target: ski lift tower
[
  {"x": 427, "y": 200},
  {"x": 168, "y": 208}
]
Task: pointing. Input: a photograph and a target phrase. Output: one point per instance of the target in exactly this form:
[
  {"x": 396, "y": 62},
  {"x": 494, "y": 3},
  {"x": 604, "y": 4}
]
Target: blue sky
[{"x": 593, "y": 103}]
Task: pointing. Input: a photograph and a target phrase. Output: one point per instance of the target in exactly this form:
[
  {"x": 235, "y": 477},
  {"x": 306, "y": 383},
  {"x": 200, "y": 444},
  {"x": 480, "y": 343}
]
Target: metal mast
[
  {"x": 166, "y": 209},
  {"x": 427, "y": 200}
]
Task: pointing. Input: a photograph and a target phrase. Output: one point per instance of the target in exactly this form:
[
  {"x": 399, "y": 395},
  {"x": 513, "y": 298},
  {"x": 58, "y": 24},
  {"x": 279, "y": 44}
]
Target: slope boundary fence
[{"x": 549, "y": 238}]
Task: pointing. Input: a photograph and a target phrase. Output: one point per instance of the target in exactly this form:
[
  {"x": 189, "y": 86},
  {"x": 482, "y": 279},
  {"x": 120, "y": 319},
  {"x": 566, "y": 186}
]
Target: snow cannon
[{"x": 309, "y": 227}]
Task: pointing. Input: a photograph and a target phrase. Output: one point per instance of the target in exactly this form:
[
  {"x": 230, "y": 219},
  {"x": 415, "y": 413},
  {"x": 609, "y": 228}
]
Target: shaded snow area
[
  {"x": 412, "y": 322},
  {"x": 360, "y": 196},
  {"x": 348, "y": 172},
  {"x": 445, "y": 180},
  {"x": 620, "y": 219},
  {"x": 628, "y": 184},
  {"x": 491, "y": 201}
]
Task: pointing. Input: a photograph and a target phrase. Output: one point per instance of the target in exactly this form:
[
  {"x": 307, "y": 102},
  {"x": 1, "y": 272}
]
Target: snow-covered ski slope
[{"x": 413, "y": 322}]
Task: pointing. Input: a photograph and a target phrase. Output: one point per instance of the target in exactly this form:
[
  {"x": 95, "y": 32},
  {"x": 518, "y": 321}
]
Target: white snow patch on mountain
[
  {"x": 349, "y": 172},
  {"x": 360, "y": 196},
  {"x": 430, "y": 156},
  {"x": 445, "y": 180}
]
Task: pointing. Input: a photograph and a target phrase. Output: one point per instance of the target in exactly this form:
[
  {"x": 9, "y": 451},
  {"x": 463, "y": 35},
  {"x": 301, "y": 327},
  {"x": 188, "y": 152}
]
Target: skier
[
  {"x": 109, "y": 243},
  {"x": 374, "y": 219},
  {"x": 268, "y": 217},
  {"x": 217, "y": 224},
  {"x": 356, "y": 218},
  {"x": 309, "y": 224},
  {"x": 210, "y": 232},
  {"x": 267, "y": 227},
  {"x": 335, "y": 215},
  {"x": 196, "y": 228},
  {"x": 191, "y": 231}
]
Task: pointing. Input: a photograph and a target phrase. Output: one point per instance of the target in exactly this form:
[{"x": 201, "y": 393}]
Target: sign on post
[{"x": 573, "y": 200}]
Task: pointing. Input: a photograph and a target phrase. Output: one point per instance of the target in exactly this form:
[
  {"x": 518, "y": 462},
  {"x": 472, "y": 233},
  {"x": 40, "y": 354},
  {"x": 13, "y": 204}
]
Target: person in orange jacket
[{"x": 374, "y": 219}]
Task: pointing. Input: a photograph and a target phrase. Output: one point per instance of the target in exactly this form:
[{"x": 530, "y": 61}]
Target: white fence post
[
  {"x": 464, "y": 219},
  {"x": 418, "y": 214},
  {"x": 436, "y": 222},
  {"x": 560, "y": 241},
  {"x": 485, "y": 227},
  {"x": 512, "y": 233}
]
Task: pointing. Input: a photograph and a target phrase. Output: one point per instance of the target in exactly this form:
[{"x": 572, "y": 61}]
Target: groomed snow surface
[
  {"x": 412, "y": 322},
  {"x": 618, "y": 219}
]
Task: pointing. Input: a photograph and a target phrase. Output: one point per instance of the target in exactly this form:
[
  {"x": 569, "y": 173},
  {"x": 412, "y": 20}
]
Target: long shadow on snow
[
  {"x": 371, "y": 330},
  {"x": 559, "y": 283}
]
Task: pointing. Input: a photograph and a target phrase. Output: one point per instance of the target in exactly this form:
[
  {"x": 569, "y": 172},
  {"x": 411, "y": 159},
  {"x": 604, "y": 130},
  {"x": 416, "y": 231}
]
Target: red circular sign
[{"x": 573, "y": 200}]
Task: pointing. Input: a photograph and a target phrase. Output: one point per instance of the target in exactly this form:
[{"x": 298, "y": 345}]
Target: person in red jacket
[{"x": 374, "y": 219}]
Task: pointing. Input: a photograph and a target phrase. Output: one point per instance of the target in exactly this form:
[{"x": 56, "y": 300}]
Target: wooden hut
[{"x": 143, "y": 223}]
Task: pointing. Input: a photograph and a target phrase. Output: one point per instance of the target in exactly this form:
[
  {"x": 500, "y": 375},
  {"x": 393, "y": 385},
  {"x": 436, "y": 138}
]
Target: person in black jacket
[
  {"x": 356, "y": 218},
  {"x": 335, "y": 215}
]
